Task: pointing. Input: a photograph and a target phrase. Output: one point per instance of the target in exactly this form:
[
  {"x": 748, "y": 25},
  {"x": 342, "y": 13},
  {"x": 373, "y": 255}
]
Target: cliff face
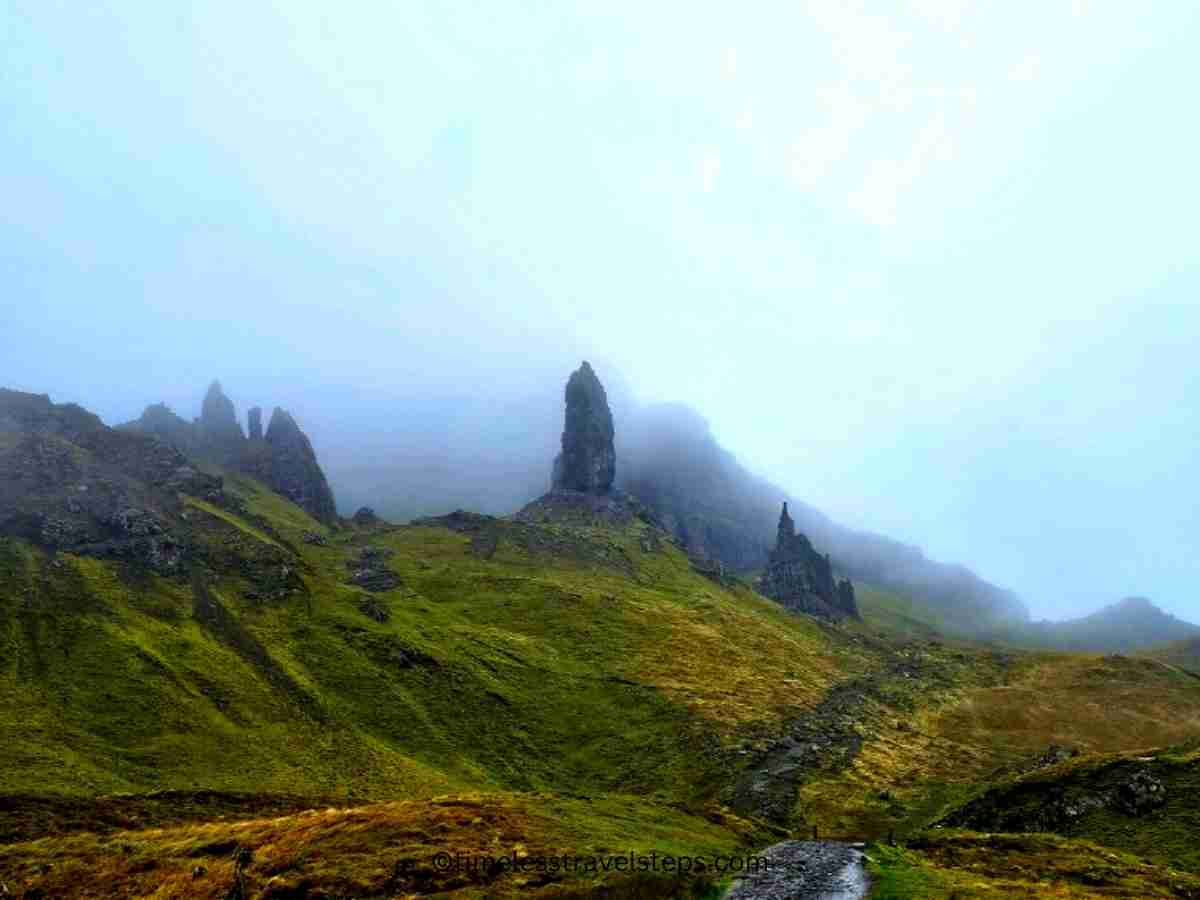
[
  {"x": 294, "y": 471},
  {"x": 588, "y": 462},
  {"x": 802, "y": 579}
]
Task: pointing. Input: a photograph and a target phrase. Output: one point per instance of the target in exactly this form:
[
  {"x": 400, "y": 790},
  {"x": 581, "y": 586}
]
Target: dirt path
[{"x": 806, "y": 870}]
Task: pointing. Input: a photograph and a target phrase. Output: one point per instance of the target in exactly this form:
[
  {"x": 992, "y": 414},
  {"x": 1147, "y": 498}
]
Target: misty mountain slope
[
  {"x": 671, "y": 461},
  {"x": 1128, "y": 625}
]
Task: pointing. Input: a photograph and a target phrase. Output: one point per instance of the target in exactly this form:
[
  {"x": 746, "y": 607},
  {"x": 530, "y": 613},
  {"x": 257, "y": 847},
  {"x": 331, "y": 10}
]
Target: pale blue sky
[{"x": 932, "y": 266}]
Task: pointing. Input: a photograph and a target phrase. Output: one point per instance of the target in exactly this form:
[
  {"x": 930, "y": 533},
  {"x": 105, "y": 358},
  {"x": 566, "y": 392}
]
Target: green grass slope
[
  {"x": 567, "y": 659},
  {"x": 1183, "y": 654},
  {"x": 504, "y": 666},
  {"x": 1147, "y": 803}
]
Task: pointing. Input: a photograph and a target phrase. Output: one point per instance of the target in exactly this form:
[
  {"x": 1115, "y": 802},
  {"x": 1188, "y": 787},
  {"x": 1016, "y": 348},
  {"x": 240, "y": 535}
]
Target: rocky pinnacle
[
  {"x": 294, "y": 471},
  {"x": 587, "y": 462},
  {"x": 219, "y": 427},
  {"x": 254, "y": 421}
]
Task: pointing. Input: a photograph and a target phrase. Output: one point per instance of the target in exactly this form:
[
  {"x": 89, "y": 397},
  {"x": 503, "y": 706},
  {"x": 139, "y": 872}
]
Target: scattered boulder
[
  {"x": 1054, "y": 755},
  {"x": 370, "y": 571},
  {"x": 374, "y": 609},
  {"x": 587, "y": 462},
  {"x": 311, "y": 537},
  {"x": 1141, "y": 793}
]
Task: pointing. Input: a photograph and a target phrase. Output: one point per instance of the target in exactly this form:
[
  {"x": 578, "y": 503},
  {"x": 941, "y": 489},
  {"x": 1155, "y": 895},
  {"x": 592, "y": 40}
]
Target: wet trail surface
[{"x": 807, "y": 870}]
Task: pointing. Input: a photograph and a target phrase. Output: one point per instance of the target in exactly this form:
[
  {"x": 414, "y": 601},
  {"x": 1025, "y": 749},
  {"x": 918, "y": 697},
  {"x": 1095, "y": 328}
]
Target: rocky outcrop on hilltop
[
  {"x": 1063, "y": 797},
  {"x": 282, "y": 457},
  {"x": 293, "y": 468},
  {"x": 68, "y": 482},
  {"x": 218, "y": 425},
  {"x": 801, "y": 579},
  {"x": 159, "y": 420},
  {"x": 582, "y": 484},
  {"x": 588, "y": 462}
]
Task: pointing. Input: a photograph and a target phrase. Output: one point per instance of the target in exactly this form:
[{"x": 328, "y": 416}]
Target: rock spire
[
  {"x": 802, "y": 579},
  {"x": 293, "y": 468},
  {"x": 218, "y": 423},
  {"x": 254, "y": 423},
  {"x": 587, "y": 462}
]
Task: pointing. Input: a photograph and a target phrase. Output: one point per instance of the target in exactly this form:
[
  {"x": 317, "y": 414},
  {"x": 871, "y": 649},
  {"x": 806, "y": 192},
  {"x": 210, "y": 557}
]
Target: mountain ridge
[{"x": 1127, "y": 625}]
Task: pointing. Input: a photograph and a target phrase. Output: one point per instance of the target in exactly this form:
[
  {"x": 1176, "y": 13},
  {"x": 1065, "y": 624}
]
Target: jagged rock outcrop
[
  {"x": 214, "y": 436},
  {"x": 292, "y": 469},
  {"x": 801, "y": 579},
  {"x": 282, "y": 457},
  {"x": 588, "y": 462},
  {"x": 69, "y": 482},
  {"x": 218, "y": 425},
  {"x": 254, "y": 423},
  {"x": 370, "y": 571},
  {"x": 160, "y": 420},
  {"x": 1060, "y": 798}
]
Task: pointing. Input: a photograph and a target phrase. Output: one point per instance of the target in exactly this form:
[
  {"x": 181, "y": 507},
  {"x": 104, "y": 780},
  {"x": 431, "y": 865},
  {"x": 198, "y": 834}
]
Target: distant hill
[{"x": 1131, "y": 624}]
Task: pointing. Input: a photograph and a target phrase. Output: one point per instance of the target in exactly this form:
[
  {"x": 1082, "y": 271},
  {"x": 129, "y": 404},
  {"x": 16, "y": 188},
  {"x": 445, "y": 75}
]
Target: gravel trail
[{"x": 806, "y": 870}]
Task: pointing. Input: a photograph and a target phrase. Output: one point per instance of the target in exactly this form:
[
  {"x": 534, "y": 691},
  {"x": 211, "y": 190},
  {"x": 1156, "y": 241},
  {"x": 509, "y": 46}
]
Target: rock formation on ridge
[
  {"x": 69, "y": 482},
  {"x": 588, "y": 462},
  {"x": 294, "y": 471},
  {"x": 283, "y": 457},
  {"x": 582, "y": 492},
  {"x": 218, "y": 425},
  {"x": 254, "y": 423},
  {"x": 801, "y": 579},
  {"x": 160, "y": 421}
]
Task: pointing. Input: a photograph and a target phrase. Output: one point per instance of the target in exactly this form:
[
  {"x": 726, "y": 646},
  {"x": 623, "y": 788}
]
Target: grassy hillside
[
  {"x": 970, "y": 866},
  {"x": 921, "y": 762},
  {"x": 1142, "y": 802},
  {"x": 1183, "y": 654},
  {"x": 567, "y": 659},
  {"x": 898, "y": 615},
  {"x": 397, "y": 848},
  {"x": 472, "y": 683}
]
